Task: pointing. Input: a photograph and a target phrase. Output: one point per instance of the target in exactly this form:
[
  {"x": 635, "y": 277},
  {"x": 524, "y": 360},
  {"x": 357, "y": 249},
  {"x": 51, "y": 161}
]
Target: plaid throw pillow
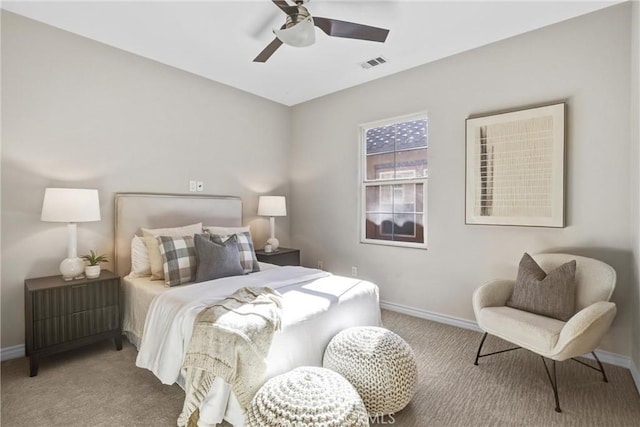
[
  {"x": 248, "y": 258},
  {"x": 178, "y": 259}
]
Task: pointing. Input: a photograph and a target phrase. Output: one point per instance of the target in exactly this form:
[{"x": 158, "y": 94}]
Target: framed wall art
[{"x": 515, "y": 167}]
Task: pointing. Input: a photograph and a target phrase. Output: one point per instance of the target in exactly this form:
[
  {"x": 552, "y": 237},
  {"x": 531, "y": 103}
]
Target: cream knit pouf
[
  {"x": 307, "y": 397},
  {"x": 378, "y": 363}
]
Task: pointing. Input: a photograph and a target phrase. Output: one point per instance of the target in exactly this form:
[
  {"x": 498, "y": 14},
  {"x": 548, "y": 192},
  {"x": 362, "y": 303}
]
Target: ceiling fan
[{"x": 299, "y": 29}]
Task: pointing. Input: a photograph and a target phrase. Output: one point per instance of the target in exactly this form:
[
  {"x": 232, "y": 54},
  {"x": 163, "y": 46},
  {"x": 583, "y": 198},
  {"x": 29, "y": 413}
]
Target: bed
[{"x": 158, "y": 320}]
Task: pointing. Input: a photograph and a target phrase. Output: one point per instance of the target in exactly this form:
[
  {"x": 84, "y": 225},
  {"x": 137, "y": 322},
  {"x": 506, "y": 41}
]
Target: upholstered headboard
[{"x": 136, "y": 210}]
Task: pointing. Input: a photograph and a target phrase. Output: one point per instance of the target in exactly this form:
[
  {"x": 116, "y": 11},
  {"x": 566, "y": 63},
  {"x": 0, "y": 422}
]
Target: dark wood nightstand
[
  {"x": 283, "y": 256},
  {"x": 61, "y": 316}
]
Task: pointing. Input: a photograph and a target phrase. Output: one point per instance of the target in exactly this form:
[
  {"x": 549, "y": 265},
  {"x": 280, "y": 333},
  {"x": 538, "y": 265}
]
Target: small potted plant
[{"x": 92, "y": 271}]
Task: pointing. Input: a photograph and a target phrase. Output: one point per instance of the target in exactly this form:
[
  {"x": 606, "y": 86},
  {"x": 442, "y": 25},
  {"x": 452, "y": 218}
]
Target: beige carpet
[{"x": 98, "y": 386}]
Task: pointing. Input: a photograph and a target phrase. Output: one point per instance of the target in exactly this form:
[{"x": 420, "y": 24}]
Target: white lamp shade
[
  {"x": 70, "y": 205},
  {"x": 272, "y": 206}
]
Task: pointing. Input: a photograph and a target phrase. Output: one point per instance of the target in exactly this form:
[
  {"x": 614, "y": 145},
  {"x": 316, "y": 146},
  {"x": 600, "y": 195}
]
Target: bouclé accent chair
[{"x": 552, "y": 338}]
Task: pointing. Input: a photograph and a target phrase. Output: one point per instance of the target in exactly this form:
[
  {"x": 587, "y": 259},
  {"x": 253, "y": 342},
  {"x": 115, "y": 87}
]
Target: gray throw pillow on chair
[
  {"x": 551, "y": 295},
  {"x": 217, "y": 259}
]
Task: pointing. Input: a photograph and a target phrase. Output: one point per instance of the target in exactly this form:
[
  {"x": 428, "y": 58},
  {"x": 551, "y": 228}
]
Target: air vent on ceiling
[{"x": 374, "y": 62}]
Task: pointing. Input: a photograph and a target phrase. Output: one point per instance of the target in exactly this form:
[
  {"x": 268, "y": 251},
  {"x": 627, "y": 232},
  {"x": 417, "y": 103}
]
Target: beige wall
[
  {"x": 584, "y": 62},
  {"x": 635, "y": 182},
  {"x": 78, "y": 113}
]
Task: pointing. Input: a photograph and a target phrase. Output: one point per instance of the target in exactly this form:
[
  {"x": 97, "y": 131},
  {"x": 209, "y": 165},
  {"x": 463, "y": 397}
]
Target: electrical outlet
[
  {"x": 192, "y": 185},
  {"x": 200, "y": 186},
  {"x": 354, "y": 271},
  {"x": 320, "y": 265}
]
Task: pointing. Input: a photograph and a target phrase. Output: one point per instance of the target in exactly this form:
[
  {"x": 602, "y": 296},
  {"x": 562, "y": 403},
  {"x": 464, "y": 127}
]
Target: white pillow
[
  {"x": 140, "y": 264},
  {"x": 224, "y": 231},
  {"x": 155, "y": 258}
]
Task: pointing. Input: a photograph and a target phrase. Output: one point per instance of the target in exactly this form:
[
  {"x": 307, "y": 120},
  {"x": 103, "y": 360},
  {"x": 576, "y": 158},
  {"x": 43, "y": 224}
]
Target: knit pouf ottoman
[
  {"x": 307, "y": 397},
  {"x": 378, "y": 363}
]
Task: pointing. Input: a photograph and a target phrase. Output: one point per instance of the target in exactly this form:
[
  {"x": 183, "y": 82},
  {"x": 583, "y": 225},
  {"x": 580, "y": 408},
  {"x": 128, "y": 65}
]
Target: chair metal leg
[
  {"x": 478, "y": 355},
  {"x": 554, "y": 381},
  {"x": 551, "y": 374},
  {"x": 604, "y": 376},
  {"x": 484, "y": 337},
  {"x": 601, "y": 370}
]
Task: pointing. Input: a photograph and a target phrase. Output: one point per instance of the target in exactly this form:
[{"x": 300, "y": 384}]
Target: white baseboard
[
  {"x": 611, "y": 358},
  {"x": 13, "y": 352},
  {"x": 635, "y": 373},
  {"x": 429, "y": 315},
  {"x": 604, "y": 356}
]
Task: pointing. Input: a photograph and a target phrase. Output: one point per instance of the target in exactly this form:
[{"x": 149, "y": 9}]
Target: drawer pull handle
[{"x": 79, "y": 286}]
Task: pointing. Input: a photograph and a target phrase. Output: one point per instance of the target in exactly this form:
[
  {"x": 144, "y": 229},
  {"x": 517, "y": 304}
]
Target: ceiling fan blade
[
  {"x": 350, "y": 30},
  {"x": 268, "y": 51},
  {"x": 286, "y": 7}
]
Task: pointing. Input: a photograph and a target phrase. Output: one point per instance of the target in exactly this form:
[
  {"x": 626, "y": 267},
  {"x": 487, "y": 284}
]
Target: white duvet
[{"x": 316, "y": 306}]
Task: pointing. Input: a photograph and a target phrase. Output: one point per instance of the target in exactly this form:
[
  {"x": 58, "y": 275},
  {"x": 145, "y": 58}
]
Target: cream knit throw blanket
[{"x": 231, "y": 339}]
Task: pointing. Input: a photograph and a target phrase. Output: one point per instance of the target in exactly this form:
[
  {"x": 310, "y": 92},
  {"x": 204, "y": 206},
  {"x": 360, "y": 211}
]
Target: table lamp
[
  {"x": 272, "y": 206},
  {"x": 71, "y": 205}
]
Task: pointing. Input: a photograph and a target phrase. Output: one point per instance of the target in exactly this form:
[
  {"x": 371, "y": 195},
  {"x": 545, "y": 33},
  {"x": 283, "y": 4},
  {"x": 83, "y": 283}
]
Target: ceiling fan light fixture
[
  {"x": 300, "y": 35},
  {"x": 299, "y": 29}
]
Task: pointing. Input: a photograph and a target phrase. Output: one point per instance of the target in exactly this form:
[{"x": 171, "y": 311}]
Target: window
[{"x": 394, "y": 181}]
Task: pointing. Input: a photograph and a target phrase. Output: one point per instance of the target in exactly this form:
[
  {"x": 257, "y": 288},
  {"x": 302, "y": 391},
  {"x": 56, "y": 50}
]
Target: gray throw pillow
[
  {"x": 248, "y": 257},
  {"x": 216, "y": 260},
  {"x": 551, "y": 295}
]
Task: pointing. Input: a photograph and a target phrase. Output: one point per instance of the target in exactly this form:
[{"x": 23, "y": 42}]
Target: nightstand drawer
[
  {"x": 63, "y": 315},
  {"x": 57, "y": 330},
  {"x": 75, "y": 298},
  {"x": 283, "y": 256}
]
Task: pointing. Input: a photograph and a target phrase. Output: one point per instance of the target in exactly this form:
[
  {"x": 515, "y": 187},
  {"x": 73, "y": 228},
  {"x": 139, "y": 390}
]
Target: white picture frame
[{"x": 515, "y": 167}]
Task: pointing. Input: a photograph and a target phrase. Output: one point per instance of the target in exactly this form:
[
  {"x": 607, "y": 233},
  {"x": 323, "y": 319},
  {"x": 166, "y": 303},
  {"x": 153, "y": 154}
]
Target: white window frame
[{"x": 364, "y": 182}]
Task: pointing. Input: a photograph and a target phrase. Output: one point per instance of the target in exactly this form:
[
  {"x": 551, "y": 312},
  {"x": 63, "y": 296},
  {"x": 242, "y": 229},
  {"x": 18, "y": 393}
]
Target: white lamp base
[
  {"x": 72, "y": 268},
  {"x": 274, "y": 243}
]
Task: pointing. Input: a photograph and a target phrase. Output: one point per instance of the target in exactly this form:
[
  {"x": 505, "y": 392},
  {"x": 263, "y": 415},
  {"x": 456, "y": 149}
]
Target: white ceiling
[{"x": 219, "y": 39}]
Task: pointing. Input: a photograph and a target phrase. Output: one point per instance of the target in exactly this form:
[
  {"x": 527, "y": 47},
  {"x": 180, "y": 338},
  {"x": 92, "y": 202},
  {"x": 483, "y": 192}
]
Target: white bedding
[
  {"x": 316, "y": 306},
  {"x": 138, "y": 293}
]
